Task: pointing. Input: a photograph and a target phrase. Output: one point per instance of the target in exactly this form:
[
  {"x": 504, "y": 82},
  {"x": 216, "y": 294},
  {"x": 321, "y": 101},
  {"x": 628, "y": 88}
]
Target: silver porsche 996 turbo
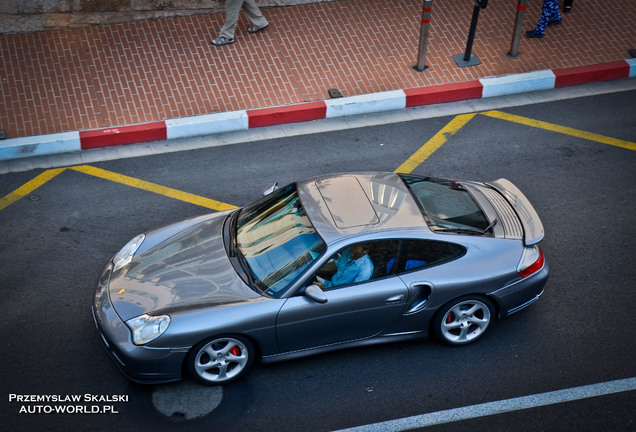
[{"x": 331, "y": 262}]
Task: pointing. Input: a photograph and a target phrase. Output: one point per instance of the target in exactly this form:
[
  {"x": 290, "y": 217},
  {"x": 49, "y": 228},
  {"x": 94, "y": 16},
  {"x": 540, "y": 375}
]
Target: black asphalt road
[{"x": 55, "y": 241}]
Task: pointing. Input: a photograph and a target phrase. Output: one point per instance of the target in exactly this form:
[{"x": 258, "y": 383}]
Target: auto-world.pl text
[{"x": 67, "y": 404}]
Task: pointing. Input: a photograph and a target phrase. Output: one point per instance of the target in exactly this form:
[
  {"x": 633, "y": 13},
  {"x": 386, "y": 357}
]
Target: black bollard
[{"x": 468, "y": 58}]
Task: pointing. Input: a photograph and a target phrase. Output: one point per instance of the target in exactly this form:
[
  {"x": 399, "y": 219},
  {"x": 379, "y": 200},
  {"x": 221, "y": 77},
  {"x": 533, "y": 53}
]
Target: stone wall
[{"x": 19, "y": 16}]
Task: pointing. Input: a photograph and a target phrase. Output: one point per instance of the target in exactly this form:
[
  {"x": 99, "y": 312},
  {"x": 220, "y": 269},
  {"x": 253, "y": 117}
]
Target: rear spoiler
[{"x": 533, "y": 231}]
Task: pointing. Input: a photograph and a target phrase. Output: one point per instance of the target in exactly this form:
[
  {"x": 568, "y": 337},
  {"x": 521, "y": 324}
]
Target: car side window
[
  {"x": 357, "y": 263},
  {"x": 415, "y": 254}
]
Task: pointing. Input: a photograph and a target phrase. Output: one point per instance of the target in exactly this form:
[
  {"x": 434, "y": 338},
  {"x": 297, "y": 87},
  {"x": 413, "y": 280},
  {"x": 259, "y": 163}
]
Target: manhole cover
[{"x": 186, "y": 400}]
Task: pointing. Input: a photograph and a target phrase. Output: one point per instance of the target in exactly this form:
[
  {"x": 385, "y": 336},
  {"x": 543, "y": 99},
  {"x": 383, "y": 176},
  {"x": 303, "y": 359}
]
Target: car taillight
[{"x": 531, "y": 262}]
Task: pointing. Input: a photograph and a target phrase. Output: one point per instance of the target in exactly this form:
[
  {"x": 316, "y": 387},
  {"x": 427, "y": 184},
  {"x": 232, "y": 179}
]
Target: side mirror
[
  {"x": 316, "y": 294},
  {"x": 270, "y": 189}
]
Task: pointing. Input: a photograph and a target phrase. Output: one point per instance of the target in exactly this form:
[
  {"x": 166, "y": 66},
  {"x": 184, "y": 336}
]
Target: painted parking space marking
[
  {"x": 434, "y": 143},
  {"x": 422, "y": 154},
  {"x": 500, "y": 407},
  {"x": 29, "y": 187},
  {"x": 561, "y": 129},
  {"x": 38, "y": 181},
  {"x": 153, "y": 187},
  {"x": 461, "y": 120}
]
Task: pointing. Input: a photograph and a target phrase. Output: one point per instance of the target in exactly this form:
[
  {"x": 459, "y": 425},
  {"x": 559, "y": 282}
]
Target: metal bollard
[
  {"x": 516, "y": 33},
  {"x": 479, "y": 4},
  {"x": 468, "y": 59},
  {"x": 426, "y": 20}
]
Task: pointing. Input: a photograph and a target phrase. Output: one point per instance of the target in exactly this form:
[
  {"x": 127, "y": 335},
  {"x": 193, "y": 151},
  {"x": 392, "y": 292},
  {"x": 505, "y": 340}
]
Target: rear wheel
[
  {"x": 463, "y": 320},
  {"x": 220, "y": 360}
]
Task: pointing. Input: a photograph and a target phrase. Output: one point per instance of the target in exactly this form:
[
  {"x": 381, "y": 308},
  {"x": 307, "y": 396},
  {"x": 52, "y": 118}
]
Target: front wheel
[
  {"x": 463, "y": 320},
  {"x": 220, "y": 360}
]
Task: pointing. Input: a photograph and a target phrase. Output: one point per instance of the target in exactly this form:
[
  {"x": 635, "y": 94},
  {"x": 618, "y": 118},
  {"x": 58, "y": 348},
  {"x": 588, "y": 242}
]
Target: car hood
[{"x": 187, "y": 269}]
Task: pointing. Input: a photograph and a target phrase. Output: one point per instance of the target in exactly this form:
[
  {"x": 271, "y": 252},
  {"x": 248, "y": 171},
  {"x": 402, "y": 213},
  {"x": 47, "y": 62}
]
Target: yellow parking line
[
  {"x": 561, "y": 129},
  {"x": 29, "y": 187},
  {"x": 408, "y": 166},
  {"x": 434, "y": 143},
  {"x": 152, "y": 187}
]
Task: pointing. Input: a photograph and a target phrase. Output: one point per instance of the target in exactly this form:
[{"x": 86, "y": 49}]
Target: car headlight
[
  {"x": 125, "y": 255},
  {"x": 146, "y": 328}
]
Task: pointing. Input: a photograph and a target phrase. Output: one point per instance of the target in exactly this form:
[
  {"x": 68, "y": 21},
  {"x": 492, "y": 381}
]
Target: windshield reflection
[{"x": 277, "y": 240}]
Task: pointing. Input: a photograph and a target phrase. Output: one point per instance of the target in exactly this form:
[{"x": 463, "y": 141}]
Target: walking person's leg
[
  {"x": 255, "y": 16},
  {"x": 554, "y": 13},
  {"x": 550, "y": 15},
  {"x": 232, "y": 10},
  {"x": 546, "y": 13}
]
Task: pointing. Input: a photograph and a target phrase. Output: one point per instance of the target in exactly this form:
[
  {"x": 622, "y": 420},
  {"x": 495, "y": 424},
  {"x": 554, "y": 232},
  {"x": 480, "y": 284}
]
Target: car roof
[{"x": 347, "y": 204}]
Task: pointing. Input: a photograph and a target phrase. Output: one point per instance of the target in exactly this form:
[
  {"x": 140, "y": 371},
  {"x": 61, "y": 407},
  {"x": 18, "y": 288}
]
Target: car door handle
[{"x": 396, "y": 299}]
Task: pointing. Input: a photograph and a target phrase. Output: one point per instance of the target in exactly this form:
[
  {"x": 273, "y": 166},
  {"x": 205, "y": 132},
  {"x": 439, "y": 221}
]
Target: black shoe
[
  {"x": 533, "y": 34},
  {"x": 567, "y": 9},
  {"x": 554, "y": 22}
]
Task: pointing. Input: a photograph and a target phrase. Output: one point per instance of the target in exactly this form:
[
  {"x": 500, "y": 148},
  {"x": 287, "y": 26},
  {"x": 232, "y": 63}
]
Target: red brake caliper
[
  {"x": 235, "y": 351},
  {"x": 449, "y": 318}
]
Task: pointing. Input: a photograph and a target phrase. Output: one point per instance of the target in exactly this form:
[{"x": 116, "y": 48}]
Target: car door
[{"x": 353, "y": 311}]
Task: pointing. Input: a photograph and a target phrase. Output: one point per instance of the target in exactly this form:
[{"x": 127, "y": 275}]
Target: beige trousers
[{"x": 232, "y": 10}]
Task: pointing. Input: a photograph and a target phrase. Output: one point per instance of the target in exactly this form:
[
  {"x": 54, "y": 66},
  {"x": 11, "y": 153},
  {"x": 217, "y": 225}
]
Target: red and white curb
[{"x": 341, "y": 107}]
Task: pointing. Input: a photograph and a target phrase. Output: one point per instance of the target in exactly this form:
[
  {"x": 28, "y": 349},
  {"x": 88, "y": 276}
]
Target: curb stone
[{"x": 66, "y": 142}]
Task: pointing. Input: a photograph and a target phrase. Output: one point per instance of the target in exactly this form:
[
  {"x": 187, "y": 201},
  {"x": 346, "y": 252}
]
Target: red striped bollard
[
  {"x": 426, "y": 20},
  {"x": 516, "y": 33}
]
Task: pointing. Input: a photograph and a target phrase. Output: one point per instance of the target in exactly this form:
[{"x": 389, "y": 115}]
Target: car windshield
[
  {"x": 447, "y": 205},
  {"x": 277, "y": 240}
]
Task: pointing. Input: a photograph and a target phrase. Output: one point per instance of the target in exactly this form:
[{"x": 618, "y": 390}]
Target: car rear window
[{"x": 447, "y": 205}]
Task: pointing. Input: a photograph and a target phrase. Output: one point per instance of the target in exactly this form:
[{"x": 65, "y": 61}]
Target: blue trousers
[{"x": 549, "y": 12}]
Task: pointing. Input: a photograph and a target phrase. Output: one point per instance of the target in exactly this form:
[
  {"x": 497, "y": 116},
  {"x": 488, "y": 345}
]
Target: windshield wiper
[
  {"x": 460, "y": 230},
  {"x": 490, "y": 226}
]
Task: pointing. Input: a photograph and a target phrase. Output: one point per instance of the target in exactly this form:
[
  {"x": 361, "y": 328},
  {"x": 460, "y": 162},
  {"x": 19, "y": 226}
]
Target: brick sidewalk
[{"x": 145, "y": 71}]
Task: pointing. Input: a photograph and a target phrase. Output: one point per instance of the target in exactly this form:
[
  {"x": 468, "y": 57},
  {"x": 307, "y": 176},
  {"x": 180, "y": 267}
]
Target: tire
[
  {"x": 220, "y": 360},
  {"x": 463, "y": 320}
]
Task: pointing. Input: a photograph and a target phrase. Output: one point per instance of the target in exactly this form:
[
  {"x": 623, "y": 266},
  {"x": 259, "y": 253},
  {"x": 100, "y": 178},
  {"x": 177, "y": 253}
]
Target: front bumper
[
  {"x": 141, "y": 364},
  {"x": 522, "y": 293}
]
